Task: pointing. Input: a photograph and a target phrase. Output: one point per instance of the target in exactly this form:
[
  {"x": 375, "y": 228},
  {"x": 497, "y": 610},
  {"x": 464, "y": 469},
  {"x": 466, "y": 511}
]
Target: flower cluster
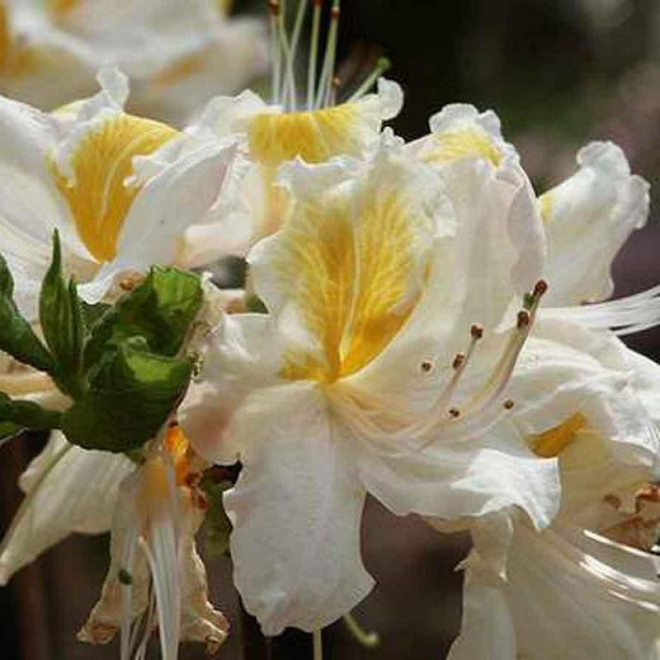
[{"x": 417, "y": 324}]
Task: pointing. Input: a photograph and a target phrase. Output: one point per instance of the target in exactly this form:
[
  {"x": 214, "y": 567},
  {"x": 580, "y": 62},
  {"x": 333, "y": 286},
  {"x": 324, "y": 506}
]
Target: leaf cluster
[{"x": 119, "y": 364}]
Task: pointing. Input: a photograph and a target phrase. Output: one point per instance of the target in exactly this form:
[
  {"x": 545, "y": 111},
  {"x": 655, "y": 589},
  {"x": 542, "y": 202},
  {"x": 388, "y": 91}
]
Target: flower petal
[
  {"x": 474, "y": 477},
  {"x": 163, "y": 209},
  {"x": 603, "y": 597},
  {"x": 68, "y": 490},
  {"x": 296, "y": 513},
  {"x": 588, "y": 218}
]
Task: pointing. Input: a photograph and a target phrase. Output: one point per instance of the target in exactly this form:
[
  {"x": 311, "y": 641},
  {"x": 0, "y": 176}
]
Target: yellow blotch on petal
[
  {"x": 97, "y": 195},
  {"x": 463, "y": 143},
  {"x": 353, "y": 290},
  {"x": 315, "y": 136},
  {"x": 546, "y": 205},
  {"x": 552, "y": 443}
]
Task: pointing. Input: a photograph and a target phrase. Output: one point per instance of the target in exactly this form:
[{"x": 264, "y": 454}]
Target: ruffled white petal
[
  {"x": 475, "y": 477},
  {"x": 588, "y": 218},
  {"x": 68, "y": 489},
  {"x": 162, "y": 210},
  {"x": 296, "y": 513}
]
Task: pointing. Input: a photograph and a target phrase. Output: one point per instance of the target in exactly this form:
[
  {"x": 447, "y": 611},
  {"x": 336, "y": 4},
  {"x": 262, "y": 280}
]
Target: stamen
[
  {"x": 380, "y": 421},
  {"x": 288, "y": 82},
  {"x": 293, "y": 49},
  {"x": 327, "y": 73},
  {"x": 313, "y": 53},
  {"x": 382, "y": 65},
  {"x": 623, "y": 316},
  {"x": 274, "y": 9}
]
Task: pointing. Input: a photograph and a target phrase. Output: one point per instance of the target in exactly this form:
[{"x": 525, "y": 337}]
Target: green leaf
[
  {"x": 16, "y": 335},
  {"x": 92, "y": 312},
  {"x": 131, "y": 394},
  {"x": 62, "y": 324},
  {"x": 160, "y": 309},
  {"x": 17, "y": 415}
]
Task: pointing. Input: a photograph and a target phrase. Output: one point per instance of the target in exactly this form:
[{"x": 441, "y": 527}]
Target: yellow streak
[
  {"x": 315, "y": 136},
  {"x": 353, "y": 289},
  {"x": 97, "y": 196},
  {"x": 463, "y": 143},
  {"x": 547, "y": 205},
  {"x": 551, "y": 443}
]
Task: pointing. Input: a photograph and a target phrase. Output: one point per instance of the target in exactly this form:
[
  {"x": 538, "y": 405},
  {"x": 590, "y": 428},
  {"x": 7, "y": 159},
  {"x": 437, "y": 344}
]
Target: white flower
[
  {"x": 582, "y": 398},
  {"x": 251, "y": 205},
  {"x": 178, "y": 55},
  {"x": 354, "y": 382},
  {"x": 72, "y": 170}
]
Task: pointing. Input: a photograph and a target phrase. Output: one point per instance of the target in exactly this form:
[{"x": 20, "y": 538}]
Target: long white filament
[{"x": 624, "y": 316}]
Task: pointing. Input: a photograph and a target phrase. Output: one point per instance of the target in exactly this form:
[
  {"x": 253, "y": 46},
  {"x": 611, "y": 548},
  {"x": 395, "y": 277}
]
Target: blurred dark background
[{"x": 559, "y": 73}]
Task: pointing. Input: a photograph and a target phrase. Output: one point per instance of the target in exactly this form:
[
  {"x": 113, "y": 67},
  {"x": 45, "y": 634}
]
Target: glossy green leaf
[
  {"x": 62, "y": 324},
  {"x": 16, "y": 335},
  {"x": 131, "y": 393},
  {"x": 160, "y": 310}
]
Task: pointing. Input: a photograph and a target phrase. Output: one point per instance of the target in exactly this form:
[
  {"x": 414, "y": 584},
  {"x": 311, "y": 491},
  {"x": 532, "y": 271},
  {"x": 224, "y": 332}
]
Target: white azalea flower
[
  {"x": 302, "y": 120},
  {"x": 178, "y": 55},
  {"x": 251, "y": 205},
  {"x": 582, "y": 399},
  {"x": 358, "y": 382},
  {"x": 72, "y": 171}
]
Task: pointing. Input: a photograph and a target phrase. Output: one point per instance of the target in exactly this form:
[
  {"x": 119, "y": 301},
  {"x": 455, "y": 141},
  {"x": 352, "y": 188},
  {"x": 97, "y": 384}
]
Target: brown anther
[
  {"x": 173, "y": 423},
  {"x": 454, "y": 412},
  {"x": 318, "y": 3},
  {"x": 477, "y": 331},
  {"x": 523, "y": 318},
  {"x": 334, "y": 14},
  {"x": 426, "y": 366},
  {"x": 459, "y": 359},
  {"x": 336, "y": 82},
  {"x": 274, "y": 6},
  {"x": 508, "y": 404},
  {"x": 540, "y": 288}
]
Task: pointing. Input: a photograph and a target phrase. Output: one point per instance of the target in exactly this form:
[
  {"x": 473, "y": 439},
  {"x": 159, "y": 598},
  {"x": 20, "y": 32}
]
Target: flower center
[
  {"x": 354, "y": 290},
  {"x": 97, "y": 193}
]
